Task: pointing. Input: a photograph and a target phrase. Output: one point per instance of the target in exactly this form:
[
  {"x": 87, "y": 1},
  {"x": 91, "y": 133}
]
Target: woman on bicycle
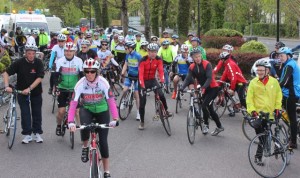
[
  {"x": 264, "y": 94},
  {"x": 97, "y": 100}
]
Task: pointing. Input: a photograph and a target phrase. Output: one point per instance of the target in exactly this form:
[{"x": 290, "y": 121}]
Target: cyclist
[
  {"x": 31, "y": 39},
  {"x": 67, "y": 33},
  {"x": 43, "y": 40},
  {"x": 20, "y": 40},
  {"x": 274, "y": 58},
  {"x": 86, "y": 52},
  {"x": 56, "y": 53},
  {"x": 3, "y": 34},
  {"x": 97, "y": 99},
  {"x": 176, "y": 45},
  {"x": 290, "y": 84},
  {"x": 167, "y": 53},
  {"x": 104, "y": 54},
  {"x": 120, "y": 52},
  {"x": 196, "y": 43},
  {"x": 226, "y": 48},
  {"x": 189, "y": 41},
  {"x": 143, "y": 50},
  {"x": 165, "y": 36},
  {"x": 113, "y": 36},
  {"x": 130, "y": 36},
  {"x": 79, "y": 40},
  {"x": 233, "y": 73},
  {"x": 131, "y": 66},
  {"x": 53, "y": 40},
  {"x": 201, "y": 71},
  {"x": 114, "y": 42},
  {"x": 137, "y": 42},
  {"x": 264, "y": 94},
  {"x": 88, "y": 37},
  {"x": 154, "y": 39},
  {"x": 96, "y": 41},
  {"x": 148, "y": 67},
  {"x": 102, "y": 34},
  {"x": 68, "y": 72},
  {"x": 182, "y": 62},
  {"x": 30, "y": 73}
]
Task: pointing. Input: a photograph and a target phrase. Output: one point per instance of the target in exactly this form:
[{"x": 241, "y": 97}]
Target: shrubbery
[
  {"x": 234, "y": 26},
  {"x": 254, "y": 47},
  {"x": 5, "y": 61},
  {"x": 219, "y": 42},
  {"x": 223, "y": 32}
]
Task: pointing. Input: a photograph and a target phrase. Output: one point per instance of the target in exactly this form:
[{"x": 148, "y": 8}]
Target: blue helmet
[
  {"x": 175, "y": 36},
  {"x": 286, "y": 50},
  {"x": 196, "y": 39},
  {"x": 165, "y": 42}
]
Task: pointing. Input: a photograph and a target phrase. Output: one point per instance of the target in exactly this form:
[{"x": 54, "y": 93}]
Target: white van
[
  {"x": 4, "y": 21},
  {"x": 55, "y": 24}
]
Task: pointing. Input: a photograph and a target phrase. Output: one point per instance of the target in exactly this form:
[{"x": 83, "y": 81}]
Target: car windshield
[{"x": 28, "y": 26}]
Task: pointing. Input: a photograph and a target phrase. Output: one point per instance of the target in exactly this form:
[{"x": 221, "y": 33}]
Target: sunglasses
[
  {"x": 60, "y": 41},
  {"x": 90, "y": 71},
  {"x": 104, "y": 44},
  {"x": 126, "y": 48},
  {"x": 83, "y": 47}
]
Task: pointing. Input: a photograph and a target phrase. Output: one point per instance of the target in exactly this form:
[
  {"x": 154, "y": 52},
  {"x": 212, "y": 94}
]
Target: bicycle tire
[
  {"x": 94, "y": 169},
  {"x": 191, "y": 126},
  {"x": 248, "y": 131},
  {"x": 178, "y": 103},
  {"x": 72, "y": 140},
  {"x": 283, "y": 135},
  {"x": 127, "y": 109},
  {"x": 164, "y": 118},
  {"x": 115, "y": 90},
  {"x": 220, "y": 106},
  {"x": 53, "y": 106},
  {"x": 270, "y": 149},
  {"x": 5, "y": 121},
  {"x": 12, "y": 128},
  {"x": 64, "y": 126}
]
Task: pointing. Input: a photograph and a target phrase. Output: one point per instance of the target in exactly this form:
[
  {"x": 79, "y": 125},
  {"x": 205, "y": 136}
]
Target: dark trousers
[
  {"x": 240, "y": 89},
  {"x": 207, "y": 106},
  {"x": 290, "y": 105},
  {"x": 31, "y": 114}
]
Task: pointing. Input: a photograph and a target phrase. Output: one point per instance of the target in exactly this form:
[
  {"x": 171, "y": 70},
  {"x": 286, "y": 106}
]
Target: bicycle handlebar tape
[
  {"x": 72, "y": 110},
  {"x": 113, "y": 107}
]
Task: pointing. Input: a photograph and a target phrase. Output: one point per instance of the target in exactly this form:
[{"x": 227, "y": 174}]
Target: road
[
  {"x": 270, "y": 42},
  {"x": 136, "y": 154}
]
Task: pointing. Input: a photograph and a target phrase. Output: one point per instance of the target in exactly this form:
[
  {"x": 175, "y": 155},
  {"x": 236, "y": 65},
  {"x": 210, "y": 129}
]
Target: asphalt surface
[{"x": 136, "y": 154}]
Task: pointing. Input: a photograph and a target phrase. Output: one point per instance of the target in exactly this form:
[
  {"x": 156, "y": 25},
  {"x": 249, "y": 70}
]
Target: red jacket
[
  {"x": 148, "y": 67},
  {"x": 232, "y": 73}
]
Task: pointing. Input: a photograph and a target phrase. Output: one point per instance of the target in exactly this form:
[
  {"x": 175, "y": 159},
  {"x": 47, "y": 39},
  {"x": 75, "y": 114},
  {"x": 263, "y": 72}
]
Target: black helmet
[
  {"x": 195, "y": 51},
  {"x": 3, "y": 30},
  {"x": 279, "y": 44}
]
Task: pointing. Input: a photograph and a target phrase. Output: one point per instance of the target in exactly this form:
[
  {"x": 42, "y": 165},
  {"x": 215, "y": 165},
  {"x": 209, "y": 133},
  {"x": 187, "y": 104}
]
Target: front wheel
[
  {"x": 164, "y": 118},
  {"x": 72, "y": 140},
  {"x": 12, "y": 128},
  {"x": 220, "y": 104},
  {"x": 191, "y": 125},
  {"x": 125, "y": 105},
  {"x": 248, "y": 131},
  {"x": 94, "y": 169}
]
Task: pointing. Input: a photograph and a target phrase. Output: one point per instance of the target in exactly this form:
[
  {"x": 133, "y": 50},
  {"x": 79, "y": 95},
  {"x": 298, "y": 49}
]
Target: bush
[
  {"x": 223, "y": 32},
  {"x": 264, "y": 29},
  {"x": 219, "y": 41},
  {"x": 2, "y": 68},
  {"x": 234, "y": 26},
  {"x": 254, "y": 46},
  {"x": 5, "y": 60}
]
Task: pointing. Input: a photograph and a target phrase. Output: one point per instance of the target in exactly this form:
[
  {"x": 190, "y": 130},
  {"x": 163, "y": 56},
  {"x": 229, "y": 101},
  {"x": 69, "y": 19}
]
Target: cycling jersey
[
  {"x": 163, "y": 39},
  {"x": 182, "y": 64},
  {"x": 188, "y": 43},
  {"x": 232, "y": 73},
  {"x": 89, "y": 54},
  {"x": 263, "y": 96},
  {"x": 203, "y": 52},
  {"x": 69, "y": 72},
  {"x": 143, "y": 52},
  {"x": 221, "y": 64},
  {"x": 138, "y": 46},
  {"x": 167, "y": 55},
  {"x": 133, "y": 60},
  {"x": 56, "y": 53},
  {"x": 113, "y": 45},
  {"x": 97, "y": 42},
  {"x": 147, "y": 69},
  {"x": 120, "y": 53},
  {"x": 104, "y": 55},
  {"x": 290, "y": 79},
  {"x": 30, "y": 41},
  {"x": 78, "y": 43}
]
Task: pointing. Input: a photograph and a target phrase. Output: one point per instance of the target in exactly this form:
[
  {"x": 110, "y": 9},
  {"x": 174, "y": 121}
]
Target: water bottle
[{"x": 285, "y": 116}]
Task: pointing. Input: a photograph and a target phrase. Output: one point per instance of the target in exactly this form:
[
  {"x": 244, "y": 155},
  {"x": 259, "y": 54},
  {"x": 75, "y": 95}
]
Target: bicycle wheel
[
  {"x": 12, "y": 128},
  {"x": 94, "y": 170},
  {"x": 268, "y": 157},
  {"x": 220, "y": 104},
  {"x": 53, "y": 106},
  {"x": 283, "y": 135},
  {"x": 115, "y": 90},
  {"x": 191, "y": 126},
  {"x": 124, "y": 105},
  {"x": 72, "y": 140},
  {"x": 178, "y": 102},
  {"x": 64, "y": 125},
  {"x": 248, "y": 131},
  {"x": 164, "y": 118}
]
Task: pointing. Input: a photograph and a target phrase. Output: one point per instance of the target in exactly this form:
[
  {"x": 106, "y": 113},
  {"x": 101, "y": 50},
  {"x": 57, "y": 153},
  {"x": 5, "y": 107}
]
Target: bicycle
[
  {"x": 224, "y": 101},
  {"x": 286, "y": 120},
  {"x": 160, "y": 111},
  {"x": 46, "y": 60},
  {"x": 112, "y": 80},
  {"x": 95, "y": 156},
  {"x": 167, "y": 70},
  {"x": 10, "y": 117},
  {"x": 268, "y": 152},
  {"x": 179, "y": 94},
  {"x": 195, "y": 115},
  {"x": 4, "y": 97},
  {"x": 126, "y": 101}
]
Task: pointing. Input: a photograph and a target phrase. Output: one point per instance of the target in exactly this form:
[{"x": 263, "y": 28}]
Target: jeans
[
  {"x": 31, "y": 114},
  {"x": 166, "y": 74}
]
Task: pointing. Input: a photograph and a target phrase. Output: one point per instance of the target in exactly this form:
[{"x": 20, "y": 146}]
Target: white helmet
[
  {"x": 228, "y": 47},
  {"x": 91, "y": 64},
  {"x": 62, "y": 37},
  {"x": 121, "y": 38},
  {"x": 224, "y": 55},
  {"x": 31, "y": 47},
  {"x": 96, "y": 33},
  {"x": 35, "y": 32},
  {"x": 115, "y": 31},
  {"x": 153, "y": 47},
  {"x": 86, "y": 42},
  {"x": 70, "y": 46},
  {"x": 184, "y": 48},
  {"x": 263, "y": 63},
  {"x": 144, "y": 43}
]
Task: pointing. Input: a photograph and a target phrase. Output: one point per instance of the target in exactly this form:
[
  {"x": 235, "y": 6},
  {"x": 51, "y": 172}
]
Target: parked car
[{"x": 108, "y": 31}]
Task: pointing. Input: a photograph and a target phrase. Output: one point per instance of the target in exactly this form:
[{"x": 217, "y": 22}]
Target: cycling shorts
[{"x": 128, "y": 81}]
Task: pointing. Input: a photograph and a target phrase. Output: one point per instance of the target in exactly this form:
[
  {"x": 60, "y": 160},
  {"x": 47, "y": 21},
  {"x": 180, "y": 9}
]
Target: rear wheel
[
  {"x": 94, "y": 171},
  {"x": 220, "y": 104},
  {"x": 178, "y": 101},
  {"x": 248, "y": 131},
  {"x": 72, "y": 139},
  {"x": 164, "y": 118},
  {"x": 191, "y": 126},
  {"x": 53, "y": 105},
  {"x": 12, "y": 127},
  {"x": 125, "y": 105}
]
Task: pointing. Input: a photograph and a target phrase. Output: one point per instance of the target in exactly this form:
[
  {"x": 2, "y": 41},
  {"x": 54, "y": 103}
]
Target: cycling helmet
[
  {"x": 279, "y": 44},
  {"x": 152, "y": 37},
  {"x": 88, "y": 35},
  {"x": 195, "y": 51},
  {"x": 70, "y": 46},
  {"x": 116, "y": 36},
  {"x": 286, "y": 50},
  {"x": 144, "y": 43},
  {"x": 130, "y": 44},
  {"x": 165, "y": 32},
  {"x": 35, "y": 32},
  {"x": 61, "y": 37},
  {"x": 91, "y": 64},
  {"x": 165, "y": 42},
  {"x": 31, "y": 47},
  {"x": 153, "y": 47},
  {"x": 196, "y": 39},
  {"x": 86, "y": 42},
  {"x": 121, "y": 38},
  {"x": 175, "y": 36},
  {"x": 138, "y": 34},
  {"x": 104, "y": 41},
  {"x": 184, "y": 48},
  {"x": 228, "y": 47},
  {"x": 3, "y": 30},
  {"x": 224, "y": 55},
  {"x": 263, "y": 63},
  {"x": 66, "y": 32},
  {"x": 115, "y": 31},
  {"x": 96, "y": 34},
  {"x": 130, "y": 31},
  {"x": 190, "y": 34}
]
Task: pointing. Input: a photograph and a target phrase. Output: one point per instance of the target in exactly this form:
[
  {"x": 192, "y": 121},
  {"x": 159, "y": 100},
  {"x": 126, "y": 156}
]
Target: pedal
[{"x": 156, "y": 118}]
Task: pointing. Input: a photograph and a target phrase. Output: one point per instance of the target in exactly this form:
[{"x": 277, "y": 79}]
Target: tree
[
  {"x": 105, "y": 19},
  {"x": 164, "y": 12},
  {"x": 205, "y": 15},
  {"x": 97, "y": 10},
  {"x": 147, "y": 19},
  {"x": 183, "y": 17},
  {"x": 70, "y": 13},
  {"x": 154, "y": 16},
  {"x": 218, "y": 13},
  {"x": 124, "y": 11}
]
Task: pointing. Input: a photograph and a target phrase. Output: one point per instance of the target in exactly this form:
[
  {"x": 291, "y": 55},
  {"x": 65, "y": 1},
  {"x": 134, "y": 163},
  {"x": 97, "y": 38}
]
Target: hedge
[
  {"x": 264, "y": 29},
  {"x": 254, "y": 46},
  {"x": 235, "y": 26},
  {"x": 219, "y": 42},
  {"x": 223, "y": 32}
]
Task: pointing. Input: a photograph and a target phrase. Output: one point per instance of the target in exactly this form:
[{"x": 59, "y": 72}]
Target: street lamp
[{"x": 251, "y": 26}]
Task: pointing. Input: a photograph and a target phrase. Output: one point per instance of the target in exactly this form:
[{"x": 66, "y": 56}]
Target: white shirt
[{"x": 30, "y": 41}]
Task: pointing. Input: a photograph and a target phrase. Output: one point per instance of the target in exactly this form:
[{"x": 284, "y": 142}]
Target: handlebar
[
  {"x": 224, "y": 83},
  {"x": 94, "y": 126},
  {"x": 152, "y": 89}
]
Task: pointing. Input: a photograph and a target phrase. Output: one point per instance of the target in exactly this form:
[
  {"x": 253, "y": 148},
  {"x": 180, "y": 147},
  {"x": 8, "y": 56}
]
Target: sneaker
[
  {"x": 205, "y": 129},
  {"x": 50, "y": 91},
  {"x": 38, "y": 139},
  {"x": 174, "y": 95},
  {"x": 27, "y": 139},
  {"x": 138, "y": 116},
  {"x": 122, "y": 106},
  {"x": 141, "y": 126},
  {"x": 106, "y": 174},
  {"x": 167, "y": 90},
  {"x": 217, "y": 131},
  {"x": 58, "y": 130},
  {"x": 292, "y": 145},
  {"x": 85, "y": 154},
  {"x": 169, "y": 114},
  {"x": 231, "y": 114},
  {"x": 259, "y": 162}
]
